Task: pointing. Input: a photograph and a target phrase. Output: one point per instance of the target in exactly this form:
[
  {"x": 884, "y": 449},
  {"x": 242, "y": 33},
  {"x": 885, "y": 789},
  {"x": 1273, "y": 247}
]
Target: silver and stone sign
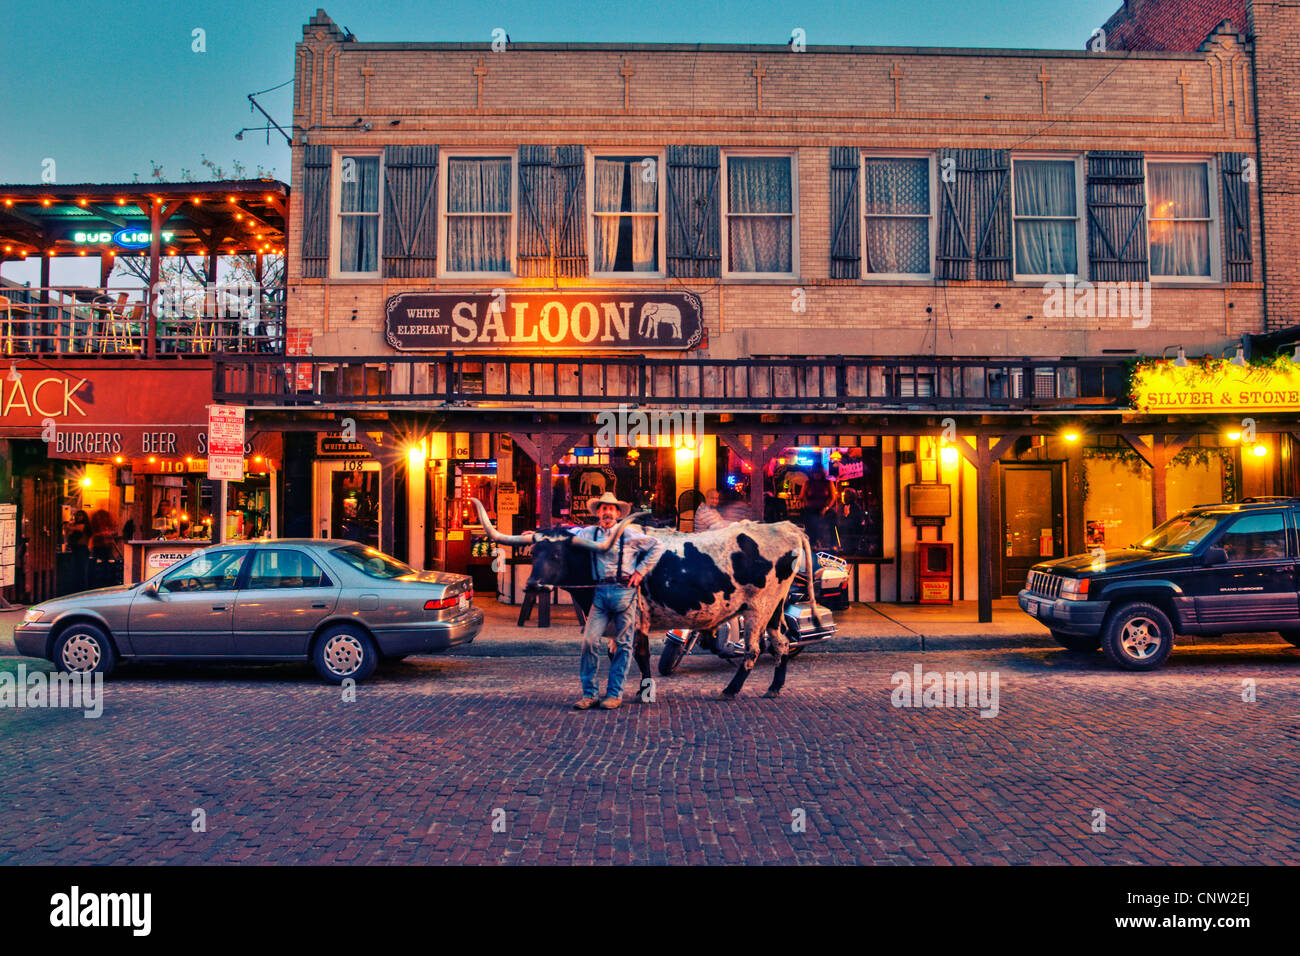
[{"x": 438, "y": 321}]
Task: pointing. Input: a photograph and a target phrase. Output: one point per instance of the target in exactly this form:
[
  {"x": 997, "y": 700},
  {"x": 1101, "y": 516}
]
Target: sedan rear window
[{"x": 372, "y": 563}]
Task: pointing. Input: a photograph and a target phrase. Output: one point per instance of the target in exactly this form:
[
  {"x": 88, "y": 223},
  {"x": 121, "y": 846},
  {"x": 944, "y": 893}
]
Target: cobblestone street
[{"x": 435, "y": 751}]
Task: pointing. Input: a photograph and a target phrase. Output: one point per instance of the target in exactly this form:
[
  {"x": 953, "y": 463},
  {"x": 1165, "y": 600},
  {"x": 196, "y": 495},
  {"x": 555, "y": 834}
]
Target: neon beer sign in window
[{"x": 131, "y": 237}]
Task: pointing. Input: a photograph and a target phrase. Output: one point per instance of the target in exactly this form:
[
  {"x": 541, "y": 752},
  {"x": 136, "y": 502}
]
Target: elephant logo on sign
[
  {"x": 654, "y": 314},
  {"x": 591, "y": 484}
]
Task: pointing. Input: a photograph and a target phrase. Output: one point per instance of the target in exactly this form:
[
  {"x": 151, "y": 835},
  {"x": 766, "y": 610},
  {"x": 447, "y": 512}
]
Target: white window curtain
[
  {"x": 359, "y": 214},
  {"x": 896, "y": 203},
  {"x": 626, "y": 220},
  {"x": 1179, "y": 214},
  {"x": 478, "y": 214},
  {"x": 1047, "y": 217},
  {"x": 760, "y": 207}
]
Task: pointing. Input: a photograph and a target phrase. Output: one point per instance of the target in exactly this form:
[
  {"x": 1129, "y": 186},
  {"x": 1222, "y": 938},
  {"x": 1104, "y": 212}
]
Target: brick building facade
[{"x": 877, "y": 240}]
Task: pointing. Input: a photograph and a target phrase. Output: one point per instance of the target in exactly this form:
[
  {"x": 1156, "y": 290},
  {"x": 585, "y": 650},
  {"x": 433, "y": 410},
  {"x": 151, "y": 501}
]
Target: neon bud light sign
[{"x": 132, "y": 237}]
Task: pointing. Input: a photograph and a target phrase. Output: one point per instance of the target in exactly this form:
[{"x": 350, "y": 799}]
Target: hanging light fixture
[
  {"x": 1181, "y": 360},
  {"x": 14, "y": 375},
  {"x": 1239, "y": 359}
]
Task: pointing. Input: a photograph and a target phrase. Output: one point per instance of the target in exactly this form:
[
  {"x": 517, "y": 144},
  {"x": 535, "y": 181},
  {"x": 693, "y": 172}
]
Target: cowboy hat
[{"x": 624, "y": 507}]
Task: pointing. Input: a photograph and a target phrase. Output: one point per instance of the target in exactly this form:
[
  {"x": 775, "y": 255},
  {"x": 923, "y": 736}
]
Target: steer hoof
[
  {"x": 726, "y": 695},
  {"x": 773, "y": 693}
]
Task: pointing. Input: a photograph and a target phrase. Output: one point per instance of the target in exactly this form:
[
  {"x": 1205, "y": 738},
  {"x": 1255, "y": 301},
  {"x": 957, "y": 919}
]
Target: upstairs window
[
  {"x": 480, "y": 218},
  {"x": 1045, "y": 209},
  {"x": 1180, "y": 218},
  {"x": 896, "y": 207},
  {"x": 760, "y": 215},
  {"x": 358, "y": 210},
  {"x": 625, "y": 214}
]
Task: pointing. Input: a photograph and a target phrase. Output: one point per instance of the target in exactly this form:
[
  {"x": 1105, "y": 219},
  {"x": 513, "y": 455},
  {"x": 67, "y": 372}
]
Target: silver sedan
[{"x": 339, "y": 604}]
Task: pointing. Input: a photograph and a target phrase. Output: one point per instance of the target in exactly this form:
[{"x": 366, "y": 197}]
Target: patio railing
[
  {"x": 115, "y": 321},
  {"x": 771, "y": 383}
]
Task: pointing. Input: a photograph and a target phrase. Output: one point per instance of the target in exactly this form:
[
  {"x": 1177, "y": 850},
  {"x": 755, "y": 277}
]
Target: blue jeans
[{"x": 618, "y": 604}]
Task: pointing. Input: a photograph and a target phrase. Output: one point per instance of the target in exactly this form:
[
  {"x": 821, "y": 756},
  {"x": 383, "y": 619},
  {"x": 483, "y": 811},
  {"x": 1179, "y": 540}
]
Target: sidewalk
[{"x": 863, "y": 627}]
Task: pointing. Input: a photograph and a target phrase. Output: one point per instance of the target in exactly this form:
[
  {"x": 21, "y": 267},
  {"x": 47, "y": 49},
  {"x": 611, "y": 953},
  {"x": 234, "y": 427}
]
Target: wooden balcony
[{"x": 535, "y": 382}]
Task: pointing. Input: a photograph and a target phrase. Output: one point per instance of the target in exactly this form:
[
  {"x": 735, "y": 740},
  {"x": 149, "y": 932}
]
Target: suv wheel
[
  {"x": 1292, "y": 636},
  {"x": 1138, "y": 637},
  {"x": 344, "y": 651},
  {"x": 1083, "y": 644}
]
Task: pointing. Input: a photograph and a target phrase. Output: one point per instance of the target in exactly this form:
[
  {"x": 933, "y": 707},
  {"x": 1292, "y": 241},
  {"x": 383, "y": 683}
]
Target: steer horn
[
  {"x": 614, "y": 536},
  {"x": 510, "y": 539}
]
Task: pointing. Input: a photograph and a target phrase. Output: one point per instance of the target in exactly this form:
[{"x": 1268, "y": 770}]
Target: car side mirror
[
  {"x": 1215, "y": 556},
  {"x": 151, "y": 588}
]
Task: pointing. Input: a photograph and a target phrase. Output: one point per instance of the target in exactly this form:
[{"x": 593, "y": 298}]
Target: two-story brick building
[{"x": 923, "y": 275}]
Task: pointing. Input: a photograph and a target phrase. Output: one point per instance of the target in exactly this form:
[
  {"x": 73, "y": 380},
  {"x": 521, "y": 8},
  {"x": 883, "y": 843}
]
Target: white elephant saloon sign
[{"x": 543, "y": 321}]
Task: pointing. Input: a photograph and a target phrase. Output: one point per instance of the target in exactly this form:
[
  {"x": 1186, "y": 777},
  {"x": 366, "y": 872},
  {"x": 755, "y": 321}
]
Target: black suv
[{"x": 1215, "y": 569}]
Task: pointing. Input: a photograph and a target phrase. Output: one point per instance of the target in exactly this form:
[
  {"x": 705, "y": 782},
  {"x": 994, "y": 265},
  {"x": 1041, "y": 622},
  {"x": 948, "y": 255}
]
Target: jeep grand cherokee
[{"x": 1215, "y": 569}]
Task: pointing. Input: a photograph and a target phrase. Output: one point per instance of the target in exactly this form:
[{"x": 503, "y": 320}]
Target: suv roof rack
[{"x": 1268, "y": 499}]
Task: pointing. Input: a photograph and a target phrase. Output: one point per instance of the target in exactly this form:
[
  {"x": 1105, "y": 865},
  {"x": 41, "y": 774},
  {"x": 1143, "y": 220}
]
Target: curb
[{"x": 568, "y": 647}]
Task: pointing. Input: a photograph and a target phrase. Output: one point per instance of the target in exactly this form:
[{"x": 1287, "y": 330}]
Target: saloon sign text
[{"x": 417, "y": 321}]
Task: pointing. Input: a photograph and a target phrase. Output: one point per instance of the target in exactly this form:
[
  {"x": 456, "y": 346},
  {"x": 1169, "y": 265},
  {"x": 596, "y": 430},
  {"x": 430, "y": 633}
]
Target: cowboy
[{"x": 618, "y": 573}]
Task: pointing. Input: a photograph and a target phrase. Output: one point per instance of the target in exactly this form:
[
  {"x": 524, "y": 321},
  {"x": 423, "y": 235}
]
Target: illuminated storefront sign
[
  {"x": 585, "y": 321},
  {"x": 132, "y": 237},
  {"x": 1217, "y": 386}
]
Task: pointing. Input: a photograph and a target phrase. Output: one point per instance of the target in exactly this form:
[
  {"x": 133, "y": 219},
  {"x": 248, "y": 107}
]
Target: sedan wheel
[
  {"x": 1138, "y": 637},
  {"x": 344, "y": 652},
  {"x": 84, "y": 649}
]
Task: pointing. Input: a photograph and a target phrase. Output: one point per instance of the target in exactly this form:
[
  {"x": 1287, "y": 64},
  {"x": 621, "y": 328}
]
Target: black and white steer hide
[{"x": 702, "y": 581}]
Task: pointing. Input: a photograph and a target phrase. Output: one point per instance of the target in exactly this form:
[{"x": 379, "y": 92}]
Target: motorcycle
[{"x": 803, "y": 621}]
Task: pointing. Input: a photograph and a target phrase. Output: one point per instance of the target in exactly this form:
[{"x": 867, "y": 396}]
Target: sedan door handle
[
  {"x": 221, "y": 607},
  {"x": 321, "y": 606}
]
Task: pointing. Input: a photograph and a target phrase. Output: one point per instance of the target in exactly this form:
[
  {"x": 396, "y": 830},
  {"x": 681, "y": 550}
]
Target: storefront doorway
[
  {"x": 346, "y": 503},
  {"x": 1033, "y": 519}
]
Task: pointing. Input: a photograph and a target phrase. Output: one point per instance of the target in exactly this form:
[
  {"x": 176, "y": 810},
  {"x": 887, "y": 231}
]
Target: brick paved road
[{"x": 414, "y": 769}]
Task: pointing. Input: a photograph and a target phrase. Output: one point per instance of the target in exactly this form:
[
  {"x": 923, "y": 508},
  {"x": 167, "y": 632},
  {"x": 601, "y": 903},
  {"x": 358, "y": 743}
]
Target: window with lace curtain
[
  {"x": 760, "y": 215},
  {"x": 897, "y": 211},
  {"x": 1045, "y": 210},
  {"x": 479, "y": 215},
  {"x": 626, "y": 213},
  {"x": 1180, "y": 219},
  {"x": 357, "y": 214}
]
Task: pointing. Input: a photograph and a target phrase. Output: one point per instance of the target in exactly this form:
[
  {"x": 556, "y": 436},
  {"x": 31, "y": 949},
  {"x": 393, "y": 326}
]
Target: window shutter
[
  {"x": 316, "y": 163},
  {"x": 1237, "y": 258},
  {"x": 974, "y": 214},
  {"x": 846, "y": 244},
  {"x": 694, "y": 220},
  {"x": 1117, "y": 233},
  {"x": 410, "y": 242},
  {"x": 570, "y": 212},
  {"x": 536, "y": 200}
]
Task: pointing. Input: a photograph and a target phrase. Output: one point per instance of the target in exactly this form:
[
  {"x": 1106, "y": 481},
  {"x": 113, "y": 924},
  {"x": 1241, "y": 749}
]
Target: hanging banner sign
[
  {"x": 226, "y": 442},
  {"x": 582, "y": 321},
  {"x": 1217, "y": 386}
]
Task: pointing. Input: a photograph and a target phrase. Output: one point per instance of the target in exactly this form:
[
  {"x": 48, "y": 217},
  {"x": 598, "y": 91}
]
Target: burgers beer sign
[{"x": 529, "y": 321}]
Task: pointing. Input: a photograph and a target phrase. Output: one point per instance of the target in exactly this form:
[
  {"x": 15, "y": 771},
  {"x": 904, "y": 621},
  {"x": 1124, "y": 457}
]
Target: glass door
[{"x": 1033, "y": 520}]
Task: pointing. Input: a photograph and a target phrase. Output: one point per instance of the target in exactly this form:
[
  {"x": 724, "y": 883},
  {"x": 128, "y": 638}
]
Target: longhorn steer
[{"x": 702, "y": 581}]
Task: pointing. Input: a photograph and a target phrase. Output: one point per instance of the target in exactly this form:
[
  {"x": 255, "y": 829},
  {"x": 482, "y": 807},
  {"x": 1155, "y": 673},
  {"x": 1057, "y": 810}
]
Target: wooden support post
[
  {"x": 155, "y": 265},
  {"x": 1157, "y": 455},
  {"x": 387, "y": 506},
  {"x": 984, "y": 458}
]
